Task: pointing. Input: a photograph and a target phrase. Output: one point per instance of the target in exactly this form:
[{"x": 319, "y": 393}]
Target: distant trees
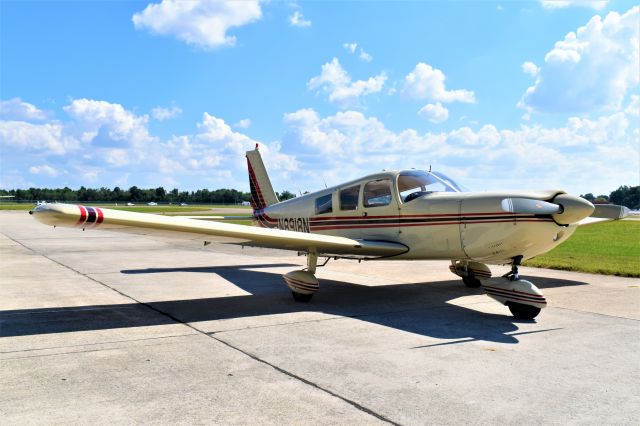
[
  {"x": 625, "y": 195},
  {"x": 285, "y": 195},
  {"x": 134, "y": 195},
  {"x": 628, "y": 196}
]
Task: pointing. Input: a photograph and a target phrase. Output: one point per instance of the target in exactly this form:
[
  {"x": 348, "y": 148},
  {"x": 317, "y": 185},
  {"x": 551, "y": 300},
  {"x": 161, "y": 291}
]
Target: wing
[{"x": 69, "y": 215}]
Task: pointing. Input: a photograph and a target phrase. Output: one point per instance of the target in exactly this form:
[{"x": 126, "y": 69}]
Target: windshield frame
[{"x": 429, "y": 178}]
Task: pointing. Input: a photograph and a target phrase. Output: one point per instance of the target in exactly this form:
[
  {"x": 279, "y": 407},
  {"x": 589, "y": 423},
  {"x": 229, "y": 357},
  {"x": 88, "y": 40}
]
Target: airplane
[{"x": 391, "y": 215}]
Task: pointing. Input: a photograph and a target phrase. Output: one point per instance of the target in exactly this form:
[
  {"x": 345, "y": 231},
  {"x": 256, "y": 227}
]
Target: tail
[{"x": 262, "y": 194}]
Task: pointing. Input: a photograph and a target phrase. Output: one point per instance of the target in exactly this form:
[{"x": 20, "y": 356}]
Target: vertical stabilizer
[{"x": 262, "y": 193}]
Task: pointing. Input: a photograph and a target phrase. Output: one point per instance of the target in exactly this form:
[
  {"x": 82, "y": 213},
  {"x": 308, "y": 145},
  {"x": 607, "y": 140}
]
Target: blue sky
[{"x": 496, "y": 94}]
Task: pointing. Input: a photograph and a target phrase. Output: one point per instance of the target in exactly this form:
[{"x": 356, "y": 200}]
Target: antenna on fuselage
[
  {"x": 324, "y": 181},
  {"x": 429, "y": 168}
]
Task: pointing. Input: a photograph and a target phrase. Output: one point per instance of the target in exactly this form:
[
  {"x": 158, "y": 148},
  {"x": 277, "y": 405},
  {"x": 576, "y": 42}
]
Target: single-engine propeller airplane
[{"x": 403, "y": 215}]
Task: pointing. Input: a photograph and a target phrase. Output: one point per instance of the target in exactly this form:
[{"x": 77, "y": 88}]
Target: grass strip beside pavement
[
  {"x": 136, "y": 208},
  {"x": 610, "y": 248}
]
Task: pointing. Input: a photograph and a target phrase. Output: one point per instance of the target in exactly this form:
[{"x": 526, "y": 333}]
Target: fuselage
[{"x": 443, "y": 223}]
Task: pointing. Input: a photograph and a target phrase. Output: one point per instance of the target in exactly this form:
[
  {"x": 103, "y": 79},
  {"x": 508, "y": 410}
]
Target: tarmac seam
[
  {"x": 338, "y": 318},
  {"x": 254, "y": 357},
  {"x": 97, "y": 343},
  {"x": 595, "y": 313}
]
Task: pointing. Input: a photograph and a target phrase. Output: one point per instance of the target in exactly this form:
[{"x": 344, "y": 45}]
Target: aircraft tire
[
  {"x": 471, "y": 281},
  {"x": 299, "y": 297},
  {"x": 521, "y": 311}
]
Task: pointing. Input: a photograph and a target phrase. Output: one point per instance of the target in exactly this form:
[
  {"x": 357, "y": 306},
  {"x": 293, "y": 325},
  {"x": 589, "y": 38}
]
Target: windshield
[{"x": 415, "y": 183}]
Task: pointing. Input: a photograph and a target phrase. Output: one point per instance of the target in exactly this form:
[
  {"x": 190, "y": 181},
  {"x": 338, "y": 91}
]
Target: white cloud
[
  {"x": 112, "y": 121},
  {"x": 426, "y": 82},
  {"x": 351, "y": 47},
  {"x": 99, "y": 139},
  {"x": 45, "y": 170},
  {"x": 335, "y": 81},
  {"x": 161, "y": 114},
  {"x": 17, "y": 109},
  {"x": 117, "y": 157},
  {"x": 589, "y": 70},
  {"x": 297, "y": 20},
  {"x": 633, "y": 108},
  {"x": 530, "y": 68},
  {"x": 203, "y": 23},
  {"x": 565, "y": 156},
  {"x": 47, "y": 138},
  {"x": 245, "y": 123},
  {"x": 435, "y": 113},
  {"x": 560, "y": 4},
  {"x": 364, "y": 56}
]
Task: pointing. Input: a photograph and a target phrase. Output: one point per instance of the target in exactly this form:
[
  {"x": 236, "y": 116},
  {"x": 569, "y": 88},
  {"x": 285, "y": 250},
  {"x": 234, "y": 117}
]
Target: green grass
[
  {"x": 198, "y": 209},
  {"x": 610, "y": 248},
  {"x": 143, "y": 208},
  {"x": 16, "y": 206}
]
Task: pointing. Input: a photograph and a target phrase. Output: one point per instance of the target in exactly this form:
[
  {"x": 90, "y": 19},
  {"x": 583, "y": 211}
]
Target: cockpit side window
[
  {"x": 349, "y": 198},
  {"x": 323, "y": 204},
  {"x": 377, "y": 193}
]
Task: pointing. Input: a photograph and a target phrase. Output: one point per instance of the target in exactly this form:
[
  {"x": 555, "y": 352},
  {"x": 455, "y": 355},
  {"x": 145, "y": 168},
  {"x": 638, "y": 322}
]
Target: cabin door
[{"x": 379, "y": 211}]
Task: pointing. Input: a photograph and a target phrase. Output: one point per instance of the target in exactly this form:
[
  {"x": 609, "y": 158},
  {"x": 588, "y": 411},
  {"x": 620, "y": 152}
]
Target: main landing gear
[
  {"x": 524, "y": 300},
  {"x": 303, "y": 283}
]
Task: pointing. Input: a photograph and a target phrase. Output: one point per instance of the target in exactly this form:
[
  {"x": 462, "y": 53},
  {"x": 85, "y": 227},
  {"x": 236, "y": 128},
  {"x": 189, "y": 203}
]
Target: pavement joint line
[
  {"x": 77, "y": 352},
  {"x": 335, "y": 318},
  {"x": 596, "y": 313},
  {"x": 202, "y": 332},
  {"x": 72, "y": 309},
  {"x": 98, "y": 343}
]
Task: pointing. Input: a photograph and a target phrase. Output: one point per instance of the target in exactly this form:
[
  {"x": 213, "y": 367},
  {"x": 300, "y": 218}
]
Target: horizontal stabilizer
[{"x": 610, "y": 211}]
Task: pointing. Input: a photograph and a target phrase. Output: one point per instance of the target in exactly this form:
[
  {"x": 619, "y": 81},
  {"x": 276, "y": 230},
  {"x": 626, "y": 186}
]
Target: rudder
[{"x": 262, "y": 193}]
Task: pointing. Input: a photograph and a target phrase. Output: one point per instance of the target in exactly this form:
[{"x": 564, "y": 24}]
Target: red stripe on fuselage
[
  {"x": 404, "y": 225},
  {"x": 320, "y": 218}
]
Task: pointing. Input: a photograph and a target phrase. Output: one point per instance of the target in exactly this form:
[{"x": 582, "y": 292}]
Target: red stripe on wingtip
[{"x": 83, "y": 215}]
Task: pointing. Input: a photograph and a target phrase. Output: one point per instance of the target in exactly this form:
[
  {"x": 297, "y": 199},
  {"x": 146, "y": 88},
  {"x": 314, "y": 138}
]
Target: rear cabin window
[
  {"x": 323, "y": 204},
  {"x": 349, "y": 198},
  {"x": 377, "y": 193}
]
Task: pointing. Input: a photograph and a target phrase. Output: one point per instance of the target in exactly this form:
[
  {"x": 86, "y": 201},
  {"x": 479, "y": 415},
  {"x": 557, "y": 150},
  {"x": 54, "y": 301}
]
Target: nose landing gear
[{"x": 524, "y": 300}]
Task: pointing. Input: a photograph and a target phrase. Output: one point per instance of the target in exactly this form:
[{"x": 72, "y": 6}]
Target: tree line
[
  {"x": 628, "y": 196},
  {"x": 134, "y": 195}
]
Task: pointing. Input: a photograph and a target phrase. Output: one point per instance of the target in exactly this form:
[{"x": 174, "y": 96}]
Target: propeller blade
[
  {"x": 529, "y": 206},
  {"x": 610, "y": 211}
]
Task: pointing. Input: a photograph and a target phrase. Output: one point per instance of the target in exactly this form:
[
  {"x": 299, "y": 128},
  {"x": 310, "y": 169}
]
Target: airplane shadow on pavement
[{"x": 420, "y": 308}]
